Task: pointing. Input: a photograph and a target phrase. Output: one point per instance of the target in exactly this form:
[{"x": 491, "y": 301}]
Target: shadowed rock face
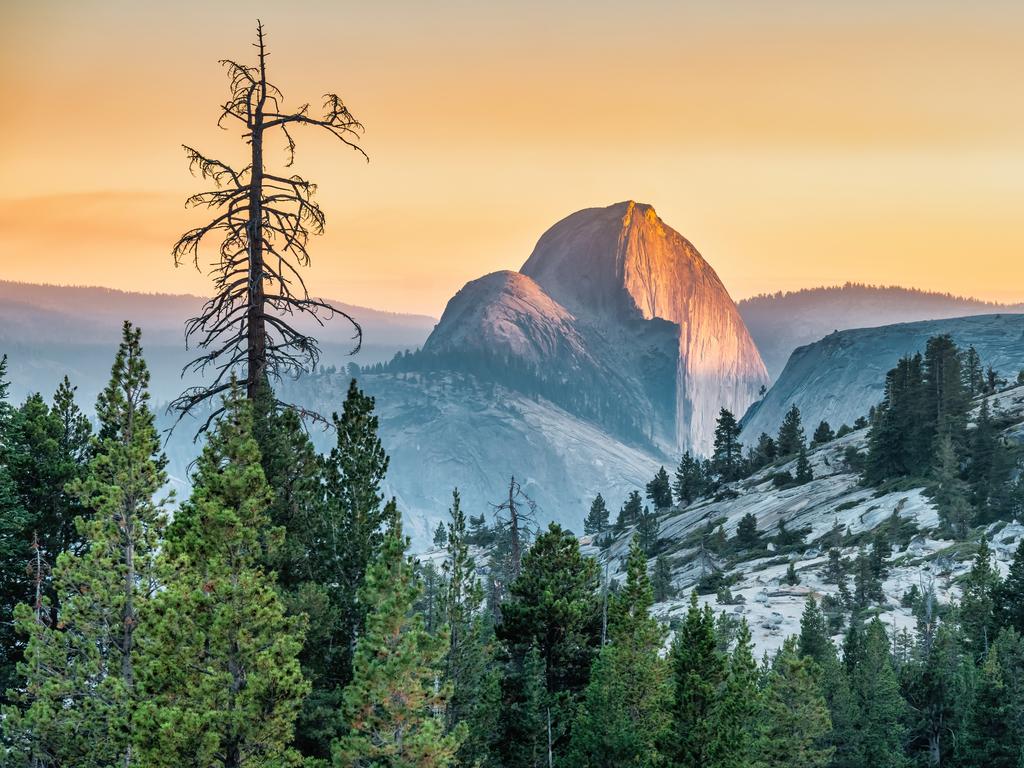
[
  {"x": 620, "y": 269},
  {"x": 840, "y": 377}
]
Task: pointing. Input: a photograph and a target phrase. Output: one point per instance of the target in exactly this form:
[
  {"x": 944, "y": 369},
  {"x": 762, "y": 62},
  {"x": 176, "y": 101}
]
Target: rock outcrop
[
  {"x": 624, "y": 273},
  {"x": 841, "y": 376}
]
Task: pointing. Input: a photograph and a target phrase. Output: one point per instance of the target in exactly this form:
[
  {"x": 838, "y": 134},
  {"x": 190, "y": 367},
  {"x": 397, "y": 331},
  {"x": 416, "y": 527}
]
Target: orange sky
[{"x": 816, "y": 144}]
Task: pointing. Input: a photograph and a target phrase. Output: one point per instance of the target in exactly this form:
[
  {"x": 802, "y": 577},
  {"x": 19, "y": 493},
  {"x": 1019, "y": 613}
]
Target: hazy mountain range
[
  {"x": 610, "y": 352},
  {"x": 781, "y": 322}
]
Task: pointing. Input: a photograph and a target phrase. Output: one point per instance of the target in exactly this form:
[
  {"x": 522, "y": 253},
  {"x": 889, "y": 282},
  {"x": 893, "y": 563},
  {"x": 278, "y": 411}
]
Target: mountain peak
[{"x": 621, "y": 264}]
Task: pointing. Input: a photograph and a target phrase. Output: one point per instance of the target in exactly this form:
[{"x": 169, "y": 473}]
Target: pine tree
[
  {"x": 47, "y": 450},
  {"x": 294, "y": 472},
  {"x": 765, "y": 451},
  {"x": 946, "y": 398},
  {"x": 661, "y": 580},
  {"x": 689, "y": 480},
  {"x": 647, "y": 528},
  {"x": 221, "y": 672},
  {"x": 659, "y": 490},
  {"x": 747, "y": 535},
  {"x": 393, "y": 707},
  {"x": 978, "y": 618},
  {"x": 949, "y": 491},
  {"x": 698, "y": 670},
  {"x": 792, "y": 578},
  {"x": 791, "y": 433},
  {"x": 597, "y": 519},
  {"x": 1010, "y": 599},
  {"x": 631, "y": 511},
  {"x": 727, "y": 456},
  {"x": 15, "y": 548},
  {"x": 973, "y": 374},
  {"x": 475, "y": 693},
  {"x": 878, "y": 740},
  {"x": 937, "y": 686},
  {"x": 814, "y": 640},
  {"x": 440, "y": 535},
  {"x": 815, "y": 644},
  {"x": 625, "y": 710},
  {"x": 795, "y": 724},
  {"x": 81, "y": 678},
  {"x": 822, "y": 434},
  {"x": 804, "y": 474},
  {"x": 866, "y": 582},
  {"x": 996, "y": 728},
  {"x": 553, "y": 607},
  {"x": 736, "y": 711},
  {"x": 349, "y": 532}
]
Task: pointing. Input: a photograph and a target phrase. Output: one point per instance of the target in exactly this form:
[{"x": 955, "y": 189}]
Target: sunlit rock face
[{"x": 624, "y": 273}]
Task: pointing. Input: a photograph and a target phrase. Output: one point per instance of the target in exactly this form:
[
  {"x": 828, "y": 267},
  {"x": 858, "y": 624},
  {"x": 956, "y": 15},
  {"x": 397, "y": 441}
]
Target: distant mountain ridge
[
  {"x": 50, "y": 330},
  {"x": 781, "y": 322}
]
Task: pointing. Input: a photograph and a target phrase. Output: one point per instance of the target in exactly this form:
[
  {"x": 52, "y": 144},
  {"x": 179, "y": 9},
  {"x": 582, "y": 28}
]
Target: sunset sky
[{"x": 795, "y": 143}]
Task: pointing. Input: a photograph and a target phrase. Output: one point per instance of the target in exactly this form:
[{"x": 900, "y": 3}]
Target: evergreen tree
[
  {"x": 814, "y": 640},
  {"x": 903, "y": 426},
  {"x": 625, "y": 710},
  {"x": 597, "y": 519},
  {"x": 736, "y": 711},
  {"x": 727, "y": 457},
  {"x": 698, "y": 670},
  {"x": 440, "y": 535},
  {"x": 221, "y": 672},
  {"x": 16, "y": 584},
  {"x": 937, "y": 687},
  {"x": 631, "y": 511},
  {"x": 350, "y": 532},
  {"x": 47, "y": 451},
  {"x": 305, "y": 575},
  {"x": 553, "y": 607},
  {"x": 661, "y": 580},
  {"x": 659, "y": 490},
  {"x": 1010, "y": 598},
  {"x": 81, "y": 680},
  {"x": 792, "y": 578},
  {"x": 647, "y": 531},
  {"x": 795, "y": 726},
  {"x": 804, "y": 474},
  {"x": 879, "y": 729},
  {"x": 981, "y": 588},
  {"x": 689, "y": 480},
  {"x": 791, "y": 433},
  {"x": 835, "y": 569},
  {"x": 946, "y": 398},
  {"x": 475, "y": 693},
  {"x": 747, "y": 535},
  {"x": 393, "y": 706},
  {"x": 866, "y": 582},
  {"x": 996, "y": 730},
  {"x": 822, "y": 434},
  {"x": 949, "y": 491},
  {"x": 973, "y": 373},
  {"x": 765, "y": 451}
]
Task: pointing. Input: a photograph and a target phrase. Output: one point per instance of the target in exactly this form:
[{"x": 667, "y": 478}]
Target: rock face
[
  {"x": 624, "y": 273},
  {"x": 841, "y": 376},
  {"x": 508, "y": 314}
]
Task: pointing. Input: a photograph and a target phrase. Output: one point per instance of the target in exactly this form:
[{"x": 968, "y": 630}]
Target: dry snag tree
[{"x": 263, "y": 222}]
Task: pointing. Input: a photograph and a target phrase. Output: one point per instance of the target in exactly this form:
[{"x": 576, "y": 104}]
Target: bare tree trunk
[
  {"x": 514, "y": 528},
  {"x": 256, "y": 329}
]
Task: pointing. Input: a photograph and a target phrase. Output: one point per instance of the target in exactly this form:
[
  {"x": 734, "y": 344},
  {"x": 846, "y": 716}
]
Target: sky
[{"x": 795, "y": 143}]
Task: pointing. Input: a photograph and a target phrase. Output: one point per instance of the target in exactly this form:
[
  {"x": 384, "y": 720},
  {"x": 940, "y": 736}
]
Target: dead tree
[
  {"x": 263, "y": 221},
  {"x": 518, "y": 522}
]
